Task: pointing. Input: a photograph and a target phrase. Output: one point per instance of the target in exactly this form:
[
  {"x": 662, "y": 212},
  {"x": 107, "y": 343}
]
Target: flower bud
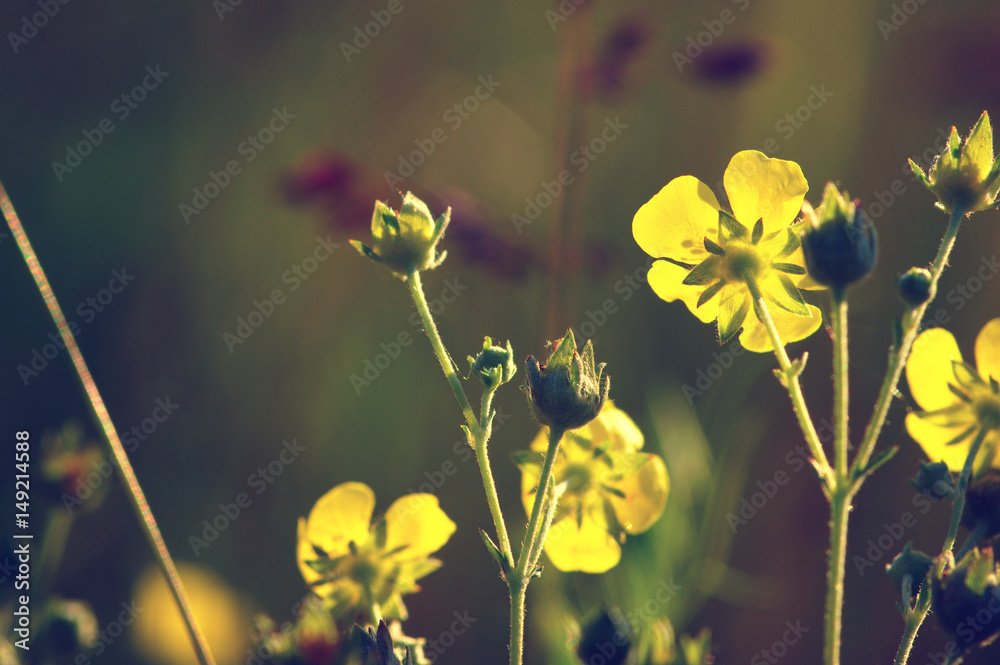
[
  {"x": 964, "y": 176},
  {"x": 568, "y": 391},
  {"x": 934, "y": 480},
  {"x": 68, "y": 626},
  {"x": 840, "y": 244},
  {"x": 962, "y": 597},
  {"x": 608, "y": 638},
  {"x": 982, "y": 504},
  {"x": 914, "y": 286},
  {"x": 494, "y": 364},
  {"x": 405, "y": 241},
  {"x": 909, "y": 562}
]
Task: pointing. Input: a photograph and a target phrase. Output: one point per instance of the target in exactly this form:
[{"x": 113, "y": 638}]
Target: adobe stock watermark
[
  {"x": 264, "y": 309},
  {"x": 121, "y": 106},
  {"x": 381, "y": 18},
  {"x": 968, "y": 630},
  {"x": 580, "y": 159},
  {"x": 625, "y": 287},
  {"x": 163, "y": 408},
  {"x": 898, "y": 17},
  {"x": 373, "y": 367},
  {"x": 223, "y": 7},
  {"x": 563, "y": 11},
  {"x": 884, "y": 199},
  {"x": 708, "y": 376},
  {"x": 779, "y": 648},
  {"x": 453, "y": 117},
  {"x": 111, "y": 632},
  {"x": 258, "y": 481},
  {"x": 892, "y": 533},
  {"x": 962, "y": 293},
  {"x": 435, "y": 647},
  {"x": 87, "y": 309},
  {"x": 696, "y": 44},
  {"x": 37, "y": 21},
  {"x": 249, "y": 148},
  {"x": 796, "y": 459}
]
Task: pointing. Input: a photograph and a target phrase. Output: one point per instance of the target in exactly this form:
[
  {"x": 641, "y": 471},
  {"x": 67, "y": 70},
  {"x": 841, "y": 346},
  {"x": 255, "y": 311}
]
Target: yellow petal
[
  {"x": 763, "y": 188},
  {"x": 791, "y": 328},
  {"x": 645, "y": 496},
  {"x": 676, "y": 220},
  {"x": 417, "y": 523},
  {"x": 614, "y": 425},
  {"x": 929, "y": 369},
  {"x": 932, "y": 438},
  {"x": 341, "y": 515},
  {"x": 588, "y": 548},
  {"x": 665, "y": 279},
  {"x": 988, "y": 350},
  {"x": 304, "y": 552},
  {"x": 978, "y": 152}
]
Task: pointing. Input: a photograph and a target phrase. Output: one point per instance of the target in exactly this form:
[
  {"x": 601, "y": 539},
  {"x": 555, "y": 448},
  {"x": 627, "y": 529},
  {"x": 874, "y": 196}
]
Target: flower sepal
[
  {"x": 569, "y": 390},
  {"x": 962, "y": 596},
  {"x": 840, "y": 243},
  {"x": 494, "y": 364},
  {"x": 405, "y": 241}
]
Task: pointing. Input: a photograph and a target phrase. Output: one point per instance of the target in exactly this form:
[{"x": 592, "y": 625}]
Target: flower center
[
  {"x": 743, "y": 262},
  {"x": 987, "y": 410}
]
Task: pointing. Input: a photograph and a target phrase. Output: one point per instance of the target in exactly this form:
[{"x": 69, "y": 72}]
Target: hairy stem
[{"x": 129, "y": 479}]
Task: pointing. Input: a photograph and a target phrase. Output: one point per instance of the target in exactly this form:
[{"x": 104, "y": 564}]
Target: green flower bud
[
  {"x": 568, "y": 391},
  {"x": 964, "y": 176},
  {"x": 914, "y": 286},
  {"x": 909, "y": 562},
  {"x": 378, "y": 648},
  {"x": 405, "y": 241},
  {"x": 494, "y": 364},
  {"x": 982, "y": 504},
  {"x": 934, "y": 480},
  {"x": 68, "y": 626},
  {"x": 962, "y": 596},
  {"x": 839, "y": 243},
  {"x": 608, "y": 628}
]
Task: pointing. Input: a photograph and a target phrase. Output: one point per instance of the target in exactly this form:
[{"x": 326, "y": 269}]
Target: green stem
[
  {"x": 840, "y": 509},
  {"x": 129, "y": 479},
  {"x": 478, "y": 428},
  {"x": 417, "y": 291},
  {"x": 555, "y": 436},
  {"x": 838, "y": 320},
  {"x": 915, "y": 618},
  {"x": 963, "y": 484},
  {"x": 518, "y": 589},
  {"x": 794, "y": 388},
  {"x": 901, "y": 350},
  {"x": 53, "y": 546}
]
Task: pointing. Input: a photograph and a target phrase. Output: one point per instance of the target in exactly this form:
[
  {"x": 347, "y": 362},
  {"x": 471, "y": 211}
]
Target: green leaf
[
  {"x": 959, "y": 393},
  {"x": 732, "y": 313},
  {"x": 710, "y": 292},
  {"x": 562, "y": 357},
  {"x": 758, "y": 231},
  {"x": 792, "y": 243},
  {"x": 965, "y": 374},
  {"x": 962, "y": 437},
  {"x": 789, "y": 268},
  {"x": 524, "y": 458},
  {"x": 786, "y": 295},
  {"x": 732, "y": 225},
  {"x": 704, "y": 272},
  {"x": 713, "y": 248}
]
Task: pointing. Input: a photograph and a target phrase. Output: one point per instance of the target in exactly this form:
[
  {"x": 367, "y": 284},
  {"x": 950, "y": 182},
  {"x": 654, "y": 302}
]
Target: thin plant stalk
[{"x": 129, "y": 479}]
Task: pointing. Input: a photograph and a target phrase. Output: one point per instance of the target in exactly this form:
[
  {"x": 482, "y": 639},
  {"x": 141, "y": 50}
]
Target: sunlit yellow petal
[
  {"x": 676, "y": 220},
  {"x": 418, "y": 524},
  {"x": 763, "y": 188},
  {"x": 588, "y": 548},
  {"x": 932, "y": 438},
  {"x": 791, "y": 327},
  {"x": 304, "y": 552},
  {"x": 978, "y": 152},
  {"x": 340, "y": 516},
  {"x": 665, "y": 279},
  {"x": 645, "y": 496},
  {"x": 988, "y": 350},
  {"x": 929, "y": 368},
  {"x": 613, "y": 425}
]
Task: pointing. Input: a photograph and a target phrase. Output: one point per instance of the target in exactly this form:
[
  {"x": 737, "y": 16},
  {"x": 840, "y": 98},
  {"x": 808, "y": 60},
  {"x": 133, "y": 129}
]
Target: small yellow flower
[
  {"x": 964, "y": 175},
  {"x": 708, "y": 256},
  {"x": 956, "y": 399},
  {"x": 354, "y": 564},
  {"x": 611, "y": 489}
]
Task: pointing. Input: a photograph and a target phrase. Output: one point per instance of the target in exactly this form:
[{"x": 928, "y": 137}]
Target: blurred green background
[{"x": 892, "y": 76}]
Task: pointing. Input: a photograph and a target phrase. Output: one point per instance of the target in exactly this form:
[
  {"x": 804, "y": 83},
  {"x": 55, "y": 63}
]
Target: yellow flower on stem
[
  {"x": 611, "y": 490},
  {"x": 957, "y": 399},
  {"x": 357, "y": 566},
  {"x": 713, "y": 260}
]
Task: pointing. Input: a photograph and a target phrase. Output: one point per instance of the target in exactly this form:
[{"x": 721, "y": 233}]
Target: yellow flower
[
  {"x": 612, "y": 489},
  {"x": 355, "y": 564},
  {"x": 709, "y": 255},
  {"x": 956, "y": 399}
]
